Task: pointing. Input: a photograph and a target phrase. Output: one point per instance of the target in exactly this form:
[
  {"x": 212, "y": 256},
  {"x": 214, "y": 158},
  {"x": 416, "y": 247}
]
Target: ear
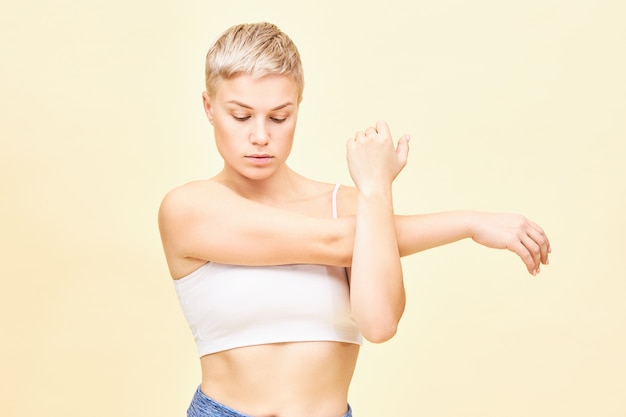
[{"x": 208, "y": 109}]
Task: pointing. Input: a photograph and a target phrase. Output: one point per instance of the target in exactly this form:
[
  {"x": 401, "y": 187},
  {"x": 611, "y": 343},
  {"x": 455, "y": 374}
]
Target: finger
[
  {"x": 370, "y": 132},
  {"x": 383, "y": 128},
  {"x": 402, "y": 149},
  {"x": 533, "y": 249},
  {"x": 521, "y": 250},
  {"x": 350, "y": 143},
  {"x": 359, "y": 136},
  {"x": 537, "y": 234}
]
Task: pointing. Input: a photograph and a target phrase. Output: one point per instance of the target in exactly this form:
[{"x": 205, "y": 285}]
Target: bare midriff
[{"x": 305, "y": 379}]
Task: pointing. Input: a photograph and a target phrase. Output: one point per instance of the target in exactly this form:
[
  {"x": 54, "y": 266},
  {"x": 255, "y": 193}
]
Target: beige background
[{"x": 513, "y": 106}]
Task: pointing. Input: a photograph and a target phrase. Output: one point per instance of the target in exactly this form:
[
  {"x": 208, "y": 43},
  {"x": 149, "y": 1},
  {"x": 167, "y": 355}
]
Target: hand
[
  {"x": 373, "y": 160},
  {"x": 515, "y": 233}
]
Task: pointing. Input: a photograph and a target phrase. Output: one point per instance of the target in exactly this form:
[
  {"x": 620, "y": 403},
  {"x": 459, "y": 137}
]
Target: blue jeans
[{"x": 203, "y": 406}]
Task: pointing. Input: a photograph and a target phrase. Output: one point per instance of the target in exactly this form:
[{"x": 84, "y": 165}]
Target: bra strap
[{"x": 335, "y": 200}]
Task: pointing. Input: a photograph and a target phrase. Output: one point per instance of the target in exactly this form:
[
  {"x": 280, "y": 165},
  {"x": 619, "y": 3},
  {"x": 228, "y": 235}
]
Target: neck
[{"x": 280, "y": 186}]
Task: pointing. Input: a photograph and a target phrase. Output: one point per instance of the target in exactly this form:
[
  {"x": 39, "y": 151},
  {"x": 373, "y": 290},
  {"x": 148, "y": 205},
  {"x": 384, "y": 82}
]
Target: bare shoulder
[
  {"x": 184, "y": 207},
  {"x": 181, "y": 210},
  {"x": 189, "y": 193},
  {"x": 201, "y": 196}
]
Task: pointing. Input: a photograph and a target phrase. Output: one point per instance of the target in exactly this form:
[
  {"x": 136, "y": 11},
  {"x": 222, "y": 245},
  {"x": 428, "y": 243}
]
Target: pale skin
[{"x": 258, "y": 211}]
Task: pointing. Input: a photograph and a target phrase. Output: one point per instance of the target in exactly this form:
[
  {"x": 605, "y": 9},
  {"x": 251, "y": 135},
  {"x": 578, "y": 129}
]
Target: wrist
[
  {"x": 375, "y": 191},
  {"x": 471, "y": 223}
]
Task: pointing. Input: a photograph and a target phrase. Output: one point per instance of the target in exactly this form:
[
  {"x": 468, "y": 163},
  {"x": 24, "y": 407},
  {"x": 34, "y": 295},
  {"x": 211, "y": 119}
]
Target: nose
[{"x": 259, "y": 135}]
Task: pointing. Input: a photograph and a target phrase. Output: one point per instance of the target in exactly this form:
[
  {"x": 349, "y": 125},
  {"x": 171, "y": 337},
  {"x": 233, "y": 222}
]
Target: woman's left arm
[
  {"x": 514, "y": 232},
  {"x": 377, "y": 292}
]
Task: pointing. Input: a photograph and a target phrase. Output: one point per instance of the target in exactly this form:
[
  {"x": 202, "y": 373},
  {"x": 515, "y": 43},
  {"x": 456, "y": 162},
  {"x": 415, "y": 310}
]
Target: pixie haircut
[{"x": 255, "y": 49}]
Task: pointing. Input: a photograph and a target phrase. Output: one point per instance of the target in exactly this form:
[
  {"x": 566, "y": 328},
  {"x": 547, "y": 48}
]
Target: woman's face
[{"x": 254, "y": 120}]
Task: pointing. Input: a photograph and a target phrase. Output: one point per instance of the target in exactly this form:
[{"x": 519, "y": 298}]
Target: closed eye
[
  {"x": 277, "y": 119},
  {"x": 241, "y": 118}
]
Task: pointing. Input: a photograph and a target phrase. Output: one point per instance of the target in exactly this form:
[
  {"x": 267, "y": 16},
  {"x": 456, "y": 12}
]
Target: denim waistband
[{"x": 203, "y": 406}]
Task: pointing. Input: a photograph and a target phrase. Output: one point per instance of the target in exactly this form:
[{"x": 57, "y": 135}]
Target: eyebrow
[{"x": 239, "y": 103}]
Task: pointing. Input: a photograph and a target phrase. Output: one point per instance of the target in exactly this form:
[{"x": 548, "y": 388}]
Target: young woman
[{"x": 279, "y": 276}]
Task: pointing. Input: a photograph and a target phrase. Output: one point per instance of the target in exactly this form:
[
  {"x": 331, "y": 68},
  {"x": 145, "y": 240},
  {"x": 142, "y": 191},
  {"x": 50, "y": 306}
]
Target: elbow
[
  {"x": 379, "y": 324},
  {"x": 381, "y": 333},
  {"x": 381, "y": 330}
]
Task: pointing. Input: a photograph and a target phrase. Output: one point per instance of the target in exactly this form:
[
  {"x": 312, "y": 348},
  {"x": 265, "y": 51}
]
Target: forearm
[
  {"x": 377, "y": 288},
  {"x": 419, "y": 232}
]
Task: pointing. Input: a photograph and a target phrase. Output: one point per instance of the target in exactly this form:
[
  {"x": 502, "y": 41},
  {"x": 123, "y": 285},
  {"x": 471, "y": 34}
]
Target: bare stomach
[{"x": 304, "y": 379}]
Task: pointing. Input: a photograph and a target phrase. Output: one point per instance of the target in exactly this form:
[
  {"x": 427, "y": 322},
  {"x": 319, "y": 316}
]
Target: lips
[{"x": 259, "y": 158}]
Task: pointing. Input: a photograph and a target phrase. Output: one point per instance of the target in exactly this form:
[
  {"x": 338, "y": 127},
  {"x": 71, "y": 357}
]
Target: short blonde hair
[{"x": 255, "y": 49}]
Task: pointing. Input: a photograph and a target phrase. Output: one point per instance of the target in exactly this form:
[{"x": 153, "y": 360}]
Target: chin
[{"x": 258, "y": 174}]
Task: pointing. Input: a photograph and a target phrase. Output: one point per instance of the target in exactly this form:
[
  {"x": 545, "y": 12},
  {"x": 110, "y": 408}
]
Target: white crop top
[{"x": 230, "y": 306}]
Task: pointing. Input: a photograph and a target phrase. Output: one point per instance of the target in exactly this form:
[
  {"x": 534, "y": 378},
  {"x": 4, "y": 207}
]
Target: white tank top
[{"x": 230, "y": 306}]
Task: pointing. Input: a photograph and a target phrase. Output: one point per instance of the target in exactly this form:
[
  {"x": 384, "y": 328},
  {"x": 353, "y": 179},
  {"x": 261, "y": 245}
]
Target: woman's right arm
[
  {"x": 207, "y": 221},
  {"x": 239, "y": 231}
]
